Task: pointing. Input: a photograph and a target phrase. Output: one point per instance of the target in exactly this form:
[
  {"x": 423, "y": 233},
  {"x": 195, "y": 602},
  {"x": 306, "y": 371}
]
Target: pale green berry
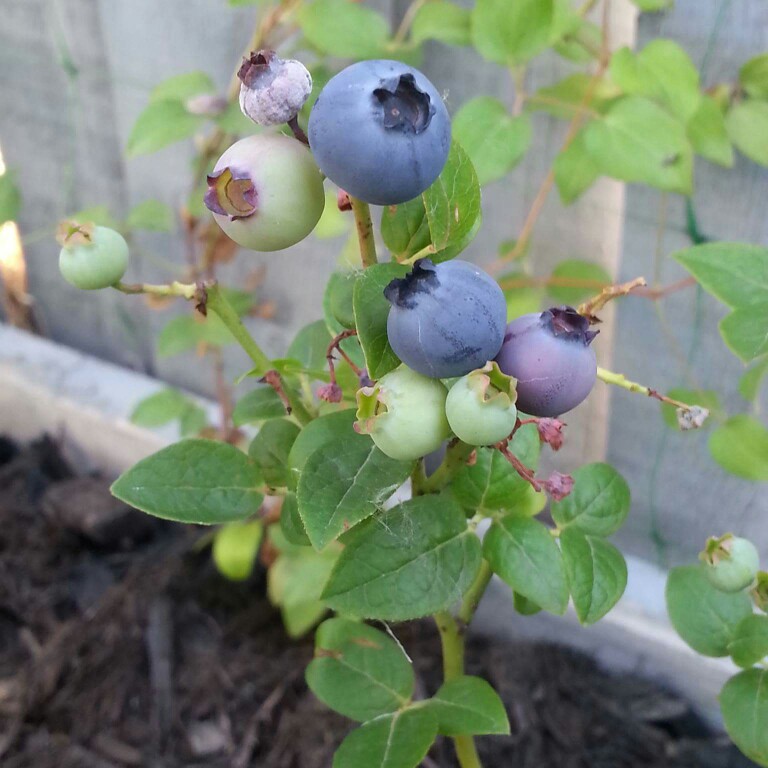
[
  {"x": 91, "y": 257},
  {"x": 730, "y": 563}
]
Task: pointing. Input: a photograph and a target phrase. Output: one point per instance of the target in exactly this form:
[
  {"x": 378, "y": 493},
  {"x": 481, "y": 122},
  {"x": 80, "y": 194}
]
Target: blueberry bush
[{"x": 412, "y": 414}]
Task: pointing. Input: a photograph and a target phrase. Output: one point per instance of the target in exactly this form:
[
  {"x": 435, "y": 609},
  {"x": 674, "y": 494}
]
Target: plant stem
[
  {"x": 475, "y": 593},
  {"x": 364, "y": 225},
  {"x": 620, "y": 380},
  {"x": 182, "y": 290},
  {"x": 455, "y": 458}
]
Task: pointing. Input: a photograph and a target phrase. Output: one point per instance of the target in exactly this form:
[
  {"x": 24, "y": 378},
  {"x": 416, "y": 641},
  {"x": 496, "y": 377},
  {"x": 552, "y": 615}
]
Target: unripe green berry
[
  {"x": 730, "y": 563},
  {"x": 404, "y": 413},
  {"x": 481, "y": 406},
  {"x": 91, "y": 257}
]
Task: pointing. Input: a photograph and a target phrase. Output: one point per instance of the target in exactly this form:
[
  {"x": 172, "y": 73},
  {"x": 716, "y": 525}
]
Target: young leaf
[
  {"x": 491, "y": 484},
  {"x": 747, "y": 125},
  {"x": 639, "y": 141},
  {"x": 411, "y": 561},
  {"x": 151, "y": 215},
  {"x": 708, "y": 135},
  {"x": 193, "y": 481},
  {"x": 161, "y": 408},
  {"x": 371, "y": 312},
  {"x": 575, "y": 170},
  {"x": 258, "y": 405},
  {"x": 740, "y": 446},
  {"x": 494, "y": 140},
  {"x": 750, "y": 643},
  {"x": 574, "y": 280},
  {"x": 512, "y": 33},
  {"x": 753, "y": 77},
  {"x": 599, "y": 502},
  {"x": 10, "y": 197},
  {"x": 524, "y": 554},
  {"x": 703, "y": 616},
  {"x": 160, "y": 124},
  {"x": 469, "y": 705},
  {"x": 444, "y": 21},
  {"x": 182, "y": 87},
  {"x": 744, "y": 701},
  {"x": 359, "y": 671},
  {"x": 270, "y": 449},
  {"x": 744, "y": 331},
  {"x": 597, "y": 574},
  {"x": 399, "y": 740},
  {"x": 707, "y": 398},
  {"x": 344, "y": 28},
  {"x": 235, "y": 547},
  {"x": 343, "y": 483}
]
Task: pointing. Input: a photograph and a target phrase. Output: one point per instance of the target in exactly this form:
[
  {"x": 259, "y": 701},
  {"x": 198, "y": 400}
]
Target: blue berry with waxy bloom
[
  {"x": 549, "y": 354},
  {"x": 380, "y": 131},
  {"x": 91, "y": 257},
  {"x": 730, "y": 563},
  {"x": 481, "y": 406},
  {"x": 404, "y": 413},
  {"x": 446, "y": 319},
  {"x": 266, "y": 192}
]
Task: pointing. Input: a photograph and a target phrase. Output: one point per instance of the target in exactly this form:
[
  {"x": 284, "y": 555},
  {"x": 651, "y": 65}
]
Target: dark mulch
[{"x": 121, "y": 646}]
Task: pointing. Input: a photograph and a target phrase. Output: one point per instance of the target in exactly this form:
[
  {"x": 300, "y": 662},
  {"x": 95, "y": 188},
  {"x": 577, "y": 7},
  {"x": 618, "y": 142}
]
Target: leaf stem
[
  {"x": 455, "y": 458},
  {"x": 362, "y": 212},
  {"x": 620, "y": 380}
]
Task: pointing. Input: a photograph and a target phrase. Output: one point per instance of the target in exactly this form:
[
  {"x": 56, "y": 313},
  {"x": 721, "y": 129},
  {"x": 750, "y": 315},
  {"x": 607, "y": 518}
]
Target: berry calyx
[
  {"x": 730, "y": 563},
  {"x": 91, "y": 257},
  {"x": 481, "y": 406},
  {"x": 404, "y": 413}
]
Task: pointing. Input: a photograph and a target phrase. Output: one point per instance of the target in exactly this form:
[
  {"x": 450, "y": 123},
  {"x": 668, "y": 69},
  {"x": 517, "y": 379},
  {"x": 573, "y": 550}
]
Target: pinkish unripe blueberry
[
  {"x": 266, "y": 192},
  {"x": 91, "y": 257},
  {"x": 272, "y": 90}
]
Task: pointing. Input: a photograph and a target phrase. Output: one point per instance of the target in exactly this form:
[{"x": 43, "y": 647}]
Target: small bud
[
  {"x": 343, "y": 201},
  {"x": 691, "y": 418},
  {"x": 273, "y": 90},
  {"x": 558, "y": 486},
  {"x": 551, "y": 432},
  {"x": 330, "y": 393}
]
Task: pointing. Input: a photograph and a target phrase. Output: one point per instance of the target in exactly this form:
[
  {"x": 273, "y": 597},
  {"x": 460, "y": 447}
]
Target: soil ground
[{"x": 121, "y": 646}]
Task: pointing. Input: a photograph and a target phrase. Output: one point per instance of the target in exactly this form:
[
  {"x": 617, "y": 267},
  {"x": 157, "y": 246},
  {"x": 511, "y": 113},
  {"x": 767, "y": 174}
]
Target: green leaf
[
  {"x": 575, "y": 170},
  {"x": 290, "y": 522},
  {"x": 599, "y": 502},
  {"x": 740, "y": 446},
  {"x": 414, "y": 560},
  {"x": 512, "y": 33},
  {"x": 160, "y": 408},
  {"x": 662, "y": 71},
  {"x": 469, "y": 705},
  {"x": 160, "y": 124},
  {"x": 597, "y": 574},
  {"x": 10, "y": 197},
  {"x": 735, "y": 273},
  {"x": 491, "y": 484},
  {"x": 371, "y": 312},
  {"x": 344, "y": 483},
  {"x": 707, "y": 398},
  {"x": 399, "y": 740},
  {"x": 193, "y": 421},
  {"x": 152, "y": 215},
  {"x": 523, "y": 295},
  {"x": 749, "y": 383},
  {"x": 703, "y": 616},
  {"x": 443, "y": 21},
  {"x": 744, "y": 701},
  {"x": 99, "y": 215},
  {"x": 316, "y": 435},
  {"x": 339, "y": 292},
  {"x": 186, "y": 332},
  {"x": 745, "y": 331},
  {"x": 494, "y": 140},
  {"x": 344, "y": 28},
  {"x": 524, "y": 554},
  {"x": 708, "y": 135},
  {"x": 404, "y": 228},
  {"x": 193, "y": 481},
  {"x": 258, "y": 405},
  {"x": 270, "y": 449},
  {"x": 750, "y": 643},
  {"x": 524, "y": 606},
  {"x": 581, "y": 44},
  {"x": 311, "y": 346},
  {"x": 574, "y": 280},
  {"x": 358, "y": 671},
  {"x": 747, "y": 124},
  {"x": 182, "y": 87},
  {"x": 295, "y": 581},
  {"x": 653, "y": 5},
  {"x": 232, "y": 120},
  {"x": 566, "y": 97},
  {"x": 235, "y": 547},
  {"x": 753, "y": 76},
  {"x": 638, "y": 141}
]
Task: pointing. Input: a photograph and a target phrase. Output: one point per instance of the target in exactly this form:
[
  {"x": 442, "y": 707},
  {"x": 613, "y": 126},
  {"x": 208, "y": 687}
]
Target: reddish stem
[{"x": 273, "y": 379}]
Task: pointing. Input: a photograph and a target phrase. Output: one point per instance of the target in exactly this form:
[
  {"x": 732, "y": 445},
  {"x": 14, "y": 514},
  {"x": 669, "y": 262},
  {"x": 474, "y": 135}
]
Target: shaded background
[{"x": 74, "y": 75}]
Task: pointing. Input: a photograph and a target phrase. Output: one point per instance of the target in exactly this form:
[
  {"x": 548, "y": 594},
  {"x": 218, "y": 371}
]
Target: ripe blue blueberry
[
  {"x": 380, "y": 130},
  {"x": 446, "y": 319},
  {"x": 549, "y": 354}
]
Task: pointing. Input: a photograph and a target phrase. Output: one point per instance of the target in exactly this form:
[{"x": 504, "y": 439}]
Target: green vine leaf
[
  {"x": 747, "y": 125},
  {"x": 575, "y": 170},
  {"x": 185, "y": 333},
  {"x": 740, "y": 446},
  {"x": 359, "y": 671},
  {"x": 708, "y": 134},
  {"x": 744, "y": 701},
  {"x": 151, "y": 215},
  {"x": 750, "y": 642},
  {"x": 182, "y": 87},
  {"x": 469, "y": 705},
  {"x": 412, "y": 561},
  {"x": 704, "y": 617},
  {"x": 753, "y": 76},
  {"x": 161, "y": 408},
  {"x": 193, "y": 481},
  {"x": 160, "y": 124},
  {"x": 344, "y": 28},
  {"x": 444, "y": 21}
]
